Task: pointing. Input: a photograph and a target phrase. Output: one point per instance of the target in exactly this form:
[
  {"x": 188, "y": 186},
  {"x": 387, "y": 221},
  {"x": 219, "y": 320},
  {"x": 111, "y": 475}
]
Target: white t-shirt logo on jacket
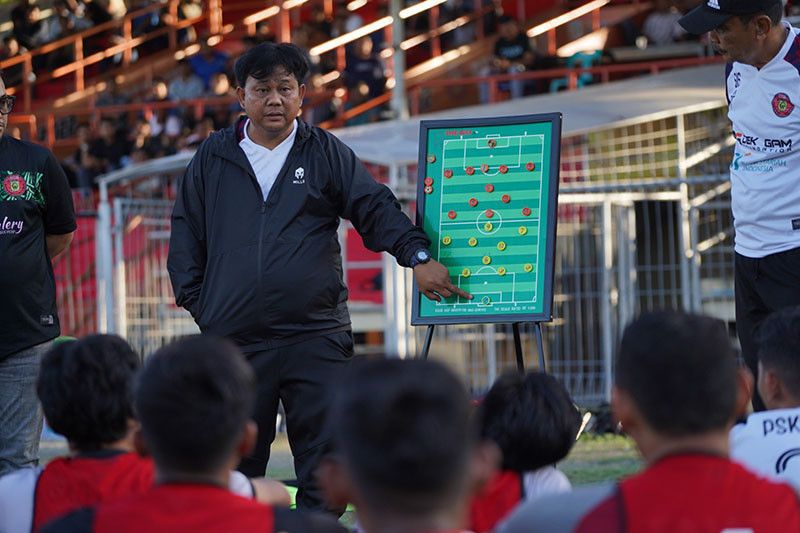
[
  {"x": 298, "y": 176},
  {"x": 713, "y": 4}
]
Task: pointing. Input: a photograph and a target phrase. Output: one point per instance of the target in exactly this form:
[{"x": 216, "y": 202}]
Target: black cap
[{"x": 712, "y": 14}]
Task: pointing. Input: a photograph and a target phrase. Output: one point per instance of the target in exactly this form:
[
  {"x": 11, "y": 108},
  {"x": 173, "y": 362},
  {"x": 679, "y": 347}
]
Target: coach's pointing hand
[{"x": 434, "y": 281}]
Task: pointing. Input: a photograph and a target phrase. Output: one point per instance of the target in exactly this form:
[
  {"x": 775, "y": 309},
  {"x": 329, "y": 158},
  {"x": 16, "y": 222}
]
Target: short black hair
[
  {"x": 775, "y": 14},
  {"x": 193, "y": 399},
  {"x": 403, "y": 428},
  {"x": 85, "y": 388},
  {"x": 778, "y": 341},
  {"x": 531, "y": 418},
  {"x": 680, "y": 370},
  {"x": 262, "y": 60}
]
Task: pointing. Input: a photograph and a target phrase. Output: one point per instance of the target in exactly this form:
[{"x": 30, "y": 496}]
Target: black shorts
[{"x": 763, "y": 286}]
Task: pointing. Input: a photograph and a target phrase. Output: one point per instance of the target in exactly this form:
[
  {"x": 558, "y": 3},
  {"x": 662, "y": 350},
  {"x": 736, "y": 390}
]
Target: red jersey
[
  {"x": 173, "y": 508},
  {"x": 191, "y": 508},
  {"x": 495, "y": 501},
  {"x": 697, "y": 494},
  {"x": 69, "y": 483}
]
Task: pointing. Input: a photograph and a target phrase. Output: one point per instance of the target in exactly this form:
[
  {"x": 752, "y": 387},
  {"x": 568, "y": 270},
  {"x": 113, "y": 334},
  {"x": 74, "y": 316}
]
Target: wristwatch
[{"x": 420, "y": 257}]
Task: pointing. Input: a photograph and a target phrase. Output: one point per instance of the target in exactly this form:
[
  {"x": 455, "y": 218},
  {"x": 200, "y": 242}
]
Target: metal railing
[
  {"x": 43, "y": 124},
  {"x": 83, "y": 58},
  {"x": 550, "y": 27},
  {"x": 601, "y": 73}
]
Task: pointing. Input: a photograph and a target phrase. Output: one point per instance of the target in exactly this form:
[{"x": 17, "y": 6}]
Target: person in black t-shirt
[
  {"x": 108, "y": 148},
  {"x": 363, "y": 65},
  {"x": 512, "y": 54},
  {"x": 37, "y": 221}
]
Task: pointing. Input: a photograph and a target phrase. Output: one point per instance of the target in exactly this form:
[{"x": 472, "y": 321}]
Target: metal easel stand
[{"x": 537, "y": 329}]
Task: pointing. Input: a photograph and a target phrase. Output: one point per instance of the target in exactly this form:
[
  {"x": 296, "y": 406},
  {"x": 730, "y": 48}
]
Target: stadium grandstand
[{"x": 123, "y": 94}]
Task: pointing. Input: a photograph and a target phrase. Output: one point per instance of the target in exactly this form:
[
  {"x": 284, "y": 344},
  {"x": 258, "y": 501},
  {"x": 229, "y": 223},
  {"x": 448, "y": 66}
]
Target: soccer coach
[
  {"x": 254, "y": 253},
  {"x": 763, "y": 89}
]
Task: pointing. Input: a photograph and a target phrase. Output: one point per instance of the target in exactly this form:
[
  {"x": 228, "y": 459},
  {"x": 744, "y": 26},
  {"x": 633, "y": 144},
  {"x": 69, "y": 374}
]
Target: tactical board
[{"x": 487, "y": 197}]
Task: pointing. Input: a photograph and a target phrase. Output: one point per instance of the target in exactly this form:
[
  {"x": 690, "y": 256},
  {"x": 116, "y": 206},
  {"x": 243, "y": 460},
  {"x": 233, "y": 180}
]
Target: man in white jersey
[
  {"x": 769, "y": 442},
  {"x": 763, "y": 88}
]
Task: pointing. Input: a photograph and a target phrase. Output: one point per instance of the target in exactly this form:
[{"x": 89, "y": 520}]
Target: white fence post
[{"x": 105, "y": 288}]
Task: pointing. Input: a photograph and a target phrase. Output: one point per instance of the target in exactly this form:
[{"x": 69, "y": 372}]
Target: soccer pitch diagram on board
[{"x": 486, "y": 198}]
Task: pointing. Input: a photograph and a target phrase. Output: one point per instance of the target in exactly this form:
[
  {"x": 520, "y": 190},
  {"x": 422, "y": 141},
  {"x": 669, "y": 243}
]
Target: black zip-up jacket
[{"x": 258, "y": 271}]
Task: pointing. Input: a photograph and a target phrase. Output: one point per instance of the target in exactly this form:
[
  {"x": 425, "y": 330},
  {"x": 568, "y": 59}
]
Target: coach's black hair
[
  {"x": 778, "y": 341},
  {"x": 85, "y": 390},
  {"x": 193, "y": 399},
  {"x": 680, "y": 369},
  {"x": 404, "y": 429},
  {"x": 531, "y": 418},
  {"x": 774, "y": 12},
  {"x": 262, "y": 60}
]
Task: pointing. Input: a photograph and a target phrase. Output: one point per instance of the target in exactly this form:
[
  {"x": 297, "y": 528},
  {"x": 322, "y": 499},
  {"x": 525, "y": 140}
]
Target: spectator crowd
[{"x": 120, "y": 139}]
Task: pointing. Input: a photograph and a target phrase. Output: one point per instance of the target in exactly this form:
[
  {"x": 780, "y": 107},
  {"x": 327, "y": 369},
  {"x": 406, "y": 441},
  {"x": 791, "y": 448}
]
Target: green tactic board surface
[{"x": 487, "y": 194}]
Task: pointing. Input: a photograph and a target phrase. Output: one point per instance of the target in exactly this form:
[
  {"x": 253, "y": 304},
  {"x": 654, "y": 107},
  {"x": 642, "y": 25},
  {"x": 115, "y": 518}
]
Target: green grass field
[
  {"x": 601, "y": 458},
  {"x": 593, "y": 459}
]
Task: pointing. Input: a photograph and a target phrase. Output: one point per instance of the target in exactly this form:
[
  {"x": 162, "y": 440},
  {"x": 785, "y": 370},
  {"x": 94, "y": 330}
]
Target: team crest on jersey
[
  {"x": 782, "y": 105},
  {"x": 14, "y": 185}
]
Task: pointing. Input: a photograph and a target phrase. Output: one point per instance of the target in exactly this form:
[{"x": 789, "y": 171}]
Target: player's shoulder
[
  {"x": 792, "y": 56},
  {"x": 544, "y": 481},
  {"x": 322, "y": 139},
  {"x": 221, "y": 139},
  {"x": 558, "y": 512},
  {"x": 751, "y": 486},
  {"x": 781, "y": 423},
  {"x": 27, "y": 148},
  {"x": 312, "y": 132}
]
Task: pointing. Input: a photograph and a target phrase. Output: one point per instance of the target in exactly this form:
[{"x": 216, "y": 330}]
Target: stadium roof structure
[{"x": 594, "y": 107}]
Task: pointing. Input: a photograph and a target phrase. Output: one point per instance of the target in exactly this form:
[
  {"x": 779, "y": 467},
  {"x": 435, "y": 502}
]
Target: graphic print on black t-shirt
[{"x": 21, "y": 185}]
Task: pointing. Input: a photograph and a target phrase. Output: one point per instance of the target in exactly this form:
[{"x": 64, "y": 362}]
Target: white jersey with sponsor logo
[
  {"x": 769, "y": 444},
  {"x": 765, "y": 171}
]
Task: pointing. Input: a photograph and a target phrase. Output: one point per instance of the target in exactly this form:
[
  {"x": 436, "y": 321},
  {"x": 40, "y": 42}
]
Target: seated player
[
  {"x": 769, "y": 442},
  {"x": 675, "y": 395},
  {"x": 407, "y": 453},
  {"x": 534, "y": 422},
  {"x": 194, "y": 399},
  {"x": 84, "y": 388},
  {"x": 85, "y": 391}
]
